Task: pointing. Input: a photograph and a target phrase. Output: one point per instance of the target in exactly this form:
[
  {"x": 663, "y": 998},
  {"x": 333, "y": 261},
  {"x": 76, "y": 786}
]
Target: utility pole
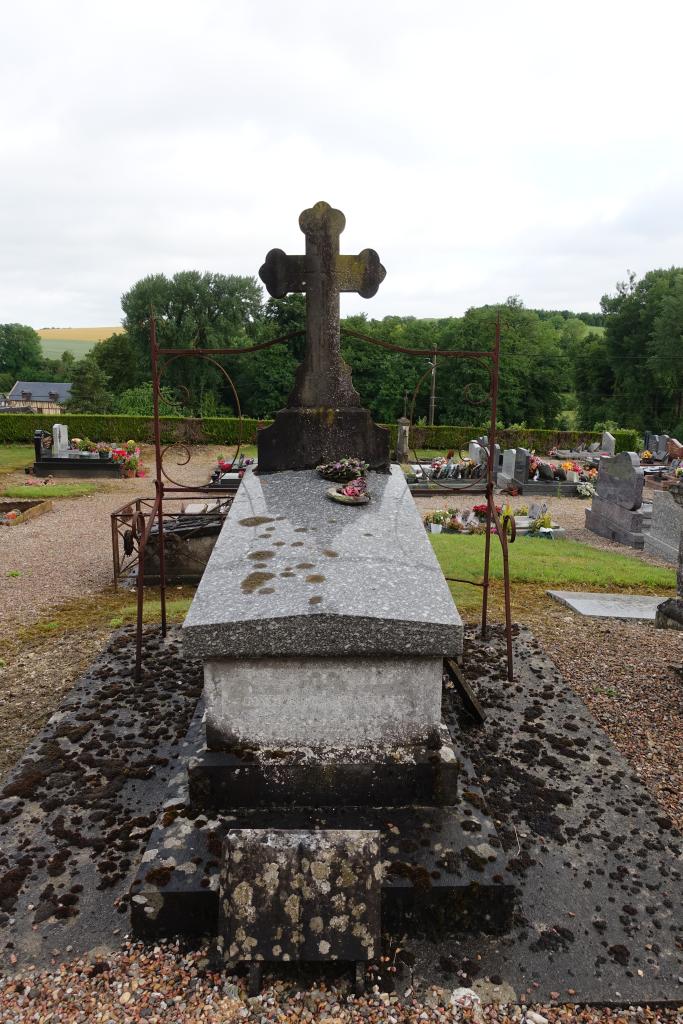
[{"x": 432, "y": 395}]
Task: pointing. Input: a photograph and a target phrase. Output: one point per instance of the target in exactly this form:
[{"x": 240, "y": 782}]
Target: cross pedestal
[{"x": 323, "y": 419}]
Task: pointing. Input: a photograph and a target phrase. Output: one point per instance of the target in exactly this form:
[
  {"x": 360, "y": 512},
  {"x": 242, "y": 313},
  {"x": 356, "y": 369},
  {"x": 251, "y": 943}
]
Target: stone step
[
  {"x": 405, "y": 775},
  {"x": 444, "y": 868}
]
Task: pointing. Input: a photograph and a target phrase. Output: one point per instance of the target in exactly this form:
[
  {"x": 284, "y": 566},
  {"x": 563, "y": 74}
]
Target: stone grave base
[
  {"x": 444, "y": 858},
  {"x": 253, "y": 778},
  {"x": 609, "y": 606},
  {"x": 547, "y": 488},
  {"x": 76, "y": 467},
  {"x": 594, "y": 860},
  {"x": 302, "y": 438},
  {"x": 619, "y": 524}
]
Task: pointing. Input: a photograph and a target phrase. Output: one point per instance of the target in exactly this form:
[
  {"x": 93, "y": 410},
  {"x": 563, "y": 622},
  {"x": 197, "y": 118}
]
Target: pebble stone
[{"x": 166, "y": 985}]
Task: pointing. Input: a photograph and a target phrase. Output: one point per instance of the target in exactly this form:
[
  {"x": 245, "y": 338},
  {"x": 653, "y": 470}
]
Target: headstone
[
  {"x": 323, "y": 419},
  {"x": 617, "y": 511},
  {"x": 522, "y": 457},
  {"x": 649, "y": 441},
  {"x": 662, "y": 443},
  {"x": 403, "y": 440},
  {"x": 594, "y": 447},
  {"x": 60, "y": 441},
  {"x": 608, "y": 445},
  {"x": 664, "y": 537},
  {"x": 507, "y": 469},
  {"x": 670, "y": 612},
  {"x": 620, "y": 480},
  {"x": 475, "y": 453}
]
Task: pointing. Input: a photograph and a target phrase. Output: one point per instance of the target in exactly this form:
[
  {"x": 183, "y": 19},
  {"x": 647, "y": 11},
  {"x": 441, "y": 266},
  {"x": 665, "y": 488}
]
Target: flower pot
[
  {"x": 129, "y": 473},
  {"x": 435, "y": 527},
  {"x": 105, "y": 455}
]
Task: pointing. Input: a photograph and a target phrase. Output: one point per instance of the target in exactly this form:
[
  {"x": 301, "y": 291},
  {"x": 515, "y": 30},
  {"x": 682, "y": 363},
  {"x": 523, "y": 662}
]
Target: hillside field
[{"x": 78, "y": 340}]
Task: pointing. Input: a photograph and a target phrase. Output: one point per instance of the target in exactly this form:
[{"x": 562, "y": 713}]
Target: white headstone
[
  {"x": 608, "y": 445},
  {"x": 508, "y": 468},
  {"x": 60, "y": 440},
  {"x": 475, "y": 452}
]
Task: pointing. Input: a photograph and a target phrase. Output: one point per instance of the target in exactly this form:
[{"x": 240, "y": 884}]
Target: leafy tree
[
  {"x": 641, "y": 333},
  {"x": 61, "y": 369},
  {"x": 139, "y": 401},
  {"x": 90, "y": 388},
  {"x": 118, "y": 357},
  {"x": 21, "y": 355},
  {"x": 193, "y": 310},
  {"x": 593, "y": 380}
]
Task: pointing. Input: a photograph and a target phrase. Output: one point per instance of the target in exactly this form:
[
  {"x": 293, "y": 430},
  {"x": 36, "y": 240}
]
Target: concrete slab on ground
[{"x": 609, "y": 606}]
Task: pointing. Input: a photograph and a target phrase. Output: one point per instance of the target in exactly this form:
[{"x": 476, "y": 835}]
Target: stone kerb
[{"x": 620, "y": 480}]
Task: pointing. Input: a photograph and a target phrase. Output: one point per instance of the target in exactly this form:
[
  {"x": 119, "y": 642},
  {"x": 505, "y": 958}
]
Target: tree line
[{"x": 622, "y": 366}]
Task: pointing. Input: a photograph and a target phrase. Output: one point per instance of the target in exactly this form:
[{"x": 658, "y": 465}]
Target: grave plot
[
  {"x": 525, "y": 473},
  {"x": 56, "y": 455},
  {"x": 618, "y": 511},
  {"x": 13, "y": 512}
]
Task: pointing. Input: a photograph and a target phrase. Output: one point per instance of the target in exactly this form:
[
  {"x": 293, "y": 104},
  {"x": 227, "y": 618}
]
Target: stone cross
[{"x": 323, "y": 378}]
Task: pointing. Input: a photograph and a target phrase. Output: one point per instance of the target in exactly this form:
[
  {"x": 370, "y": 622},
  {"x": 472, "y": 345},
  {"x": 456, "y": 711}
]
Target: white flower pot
[{"x": 435, "y": 527}]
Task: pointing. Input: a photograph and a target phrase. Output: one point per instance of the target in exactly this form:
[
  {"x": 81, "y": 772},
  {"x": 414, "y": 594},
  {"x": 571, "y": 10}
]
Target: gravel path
[
  {"x": 67, "y": 553},
  {"x": 166, "y": 986}
]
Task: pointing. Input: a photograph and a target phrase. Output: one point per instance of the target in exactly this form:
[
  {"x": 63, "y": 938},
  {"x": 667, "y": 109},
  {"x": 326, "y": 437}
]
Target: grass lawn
[
  {"x": 15, "y": 456},
  {"x": 49, "y": 491},
  {"x": 540, "y": 565}
]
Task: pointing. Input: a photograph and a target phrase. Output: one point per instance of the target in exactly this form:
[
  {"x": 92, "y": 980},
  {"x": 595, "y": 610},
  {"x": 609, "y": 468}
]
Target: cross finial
[{"x": 323, "y": 378}]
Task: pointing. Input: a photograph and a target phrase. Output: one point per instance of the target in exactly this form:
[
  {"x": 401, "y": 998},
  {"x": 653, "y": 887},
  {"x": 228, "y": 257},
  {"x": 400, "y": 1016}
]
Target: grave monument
[
  {"x": 324, "y": 785},
  {"x": 323, "y": 411},
  {"x": 618, "y": 511},
  {"x": 669, "y": 613}
]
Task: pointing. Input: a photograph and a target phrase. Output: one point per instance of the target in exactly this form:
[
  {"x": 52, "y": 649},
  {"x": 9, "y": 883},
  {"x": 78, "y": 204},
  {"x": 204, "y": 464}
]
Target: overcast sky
[{"x": 484, "y": 150}]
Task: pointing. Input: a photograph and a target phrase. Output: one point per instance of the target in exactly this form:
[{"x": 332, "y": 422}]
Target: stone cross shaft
[{"x": 323, "y": 378}]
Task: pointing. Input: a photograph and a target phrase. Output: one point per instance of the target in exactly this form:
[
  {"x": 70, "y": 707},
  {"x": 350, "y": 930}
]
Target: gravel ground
[
  {"x": 67, "y": 553},
  {"x": 164, "y": 985}
]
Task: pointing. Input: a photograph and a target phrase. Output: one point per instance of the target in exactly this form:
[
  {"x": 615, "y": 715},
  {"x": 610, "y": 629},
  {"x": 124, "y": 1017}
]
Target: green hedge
[{"x": 19, "y": 427}]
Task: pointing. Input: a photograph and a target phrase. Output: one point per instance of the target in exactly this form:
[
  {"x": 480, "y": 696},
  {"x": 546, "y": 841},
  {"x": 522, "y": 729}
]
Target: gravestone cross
[{"x": 323, "y": 378}]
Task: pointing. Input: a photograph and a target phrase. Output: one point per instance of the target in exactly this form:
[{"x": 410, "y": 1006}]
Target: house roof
[{"x": 40, "y": 391}]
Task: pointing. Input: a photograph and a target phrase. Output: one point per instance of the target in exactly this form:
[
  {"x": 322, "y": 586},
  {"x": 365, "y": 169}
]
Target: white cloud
[{"x": 483, "y": 150}]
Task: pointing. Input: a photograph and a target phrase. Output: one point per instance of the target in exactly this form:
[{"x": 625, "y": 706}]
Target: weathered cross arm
[{"x": 282, "y": 273}]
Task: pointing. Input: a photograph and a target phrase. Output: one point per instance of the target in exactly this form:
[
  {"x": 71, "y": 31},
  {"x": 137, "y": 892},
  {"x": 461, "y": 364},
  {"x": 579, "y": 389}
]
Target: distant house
[{"x": 37, "y": 396}]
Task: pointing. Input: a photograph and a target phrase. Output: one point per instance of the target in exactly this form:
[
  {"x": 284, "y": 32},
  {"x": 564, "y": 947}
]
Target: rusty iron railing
[{"x": 163, "y": 358}]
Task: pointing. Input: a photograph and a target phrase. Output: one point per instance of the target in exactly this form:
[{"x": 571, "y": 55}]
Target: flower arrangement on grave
[
  {"x": 437, "y": 517},
  {"x": 522, "y": 510},
  {"x": 544, "y": 521},
  {"x": 585, "y": 489},
  {"x": 88, "y": 446},
  {"x": 226, "y": 466},
  {"x": 481, "y": 510},
  {"x": 678, "y": 472},
  {"x": 343, "y": 470},
  {"x": 127, "y": 458},
  {"x": 646, "y": 456},
  {"x": 355, "y": 488},
  {"x": 104, "y": 449}
]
